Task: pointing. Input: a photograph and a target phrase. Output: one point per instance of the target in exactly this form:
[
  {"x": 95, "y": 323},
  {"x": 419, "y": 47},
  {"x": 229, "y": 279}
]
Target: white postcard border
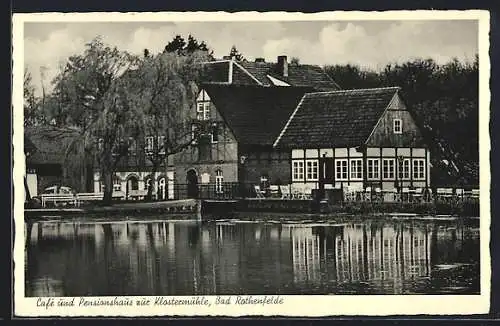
[{"x": 294, "y": 305}]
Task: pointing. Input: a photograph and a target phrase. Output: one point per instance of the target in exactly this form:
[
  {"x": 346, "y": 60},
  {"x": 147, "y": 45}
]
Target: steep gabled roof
[
  {"x": 335, "y": 119},
  {"x": 262, "y": 73},
  {"x": 50, "y": 143},
  {"x": 255, "y": 114}
]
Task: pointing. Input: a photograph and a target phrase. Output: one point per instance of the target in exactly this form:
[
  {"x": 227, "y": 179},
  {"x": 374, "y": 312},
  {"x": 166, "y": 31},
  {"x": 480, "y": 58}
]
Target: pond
[{"x": 159, "y": 257}]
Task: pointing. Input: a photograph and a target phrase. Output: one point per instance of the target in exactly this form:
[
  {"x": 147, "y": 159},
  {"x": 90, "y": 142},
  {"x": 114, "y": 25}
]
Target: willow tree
[
  {"x": 164, "y": 91},
  {"x": 86, "y": 90}
]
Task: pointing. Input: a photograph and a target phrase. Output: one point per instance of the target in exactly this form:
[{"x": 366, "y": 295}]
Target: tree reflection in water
[{"x": 183, "y": 258}]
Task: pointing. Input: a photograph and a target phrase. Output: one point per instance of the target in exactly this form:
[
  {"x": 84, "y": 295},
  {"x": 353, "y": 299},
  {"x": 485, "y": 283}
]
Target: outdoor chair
[
  {"x": 259, "y": 193},
  {"x": 396, "y": 195},
  {"x": 459, "y": 193},
  {"x": 475, "y": 193},
  {"x": 405, "y": 194},
  {"x": 349, "y": 193},
  {"x": 444, "y": 193},
  {"x": 418, "y": 195},
  {"x": 428, "y": 196},
  {"x": 368, "y": 194},
  {"x": 307, "y": 191},
  {"x": 285, "y": 191},
  {"x": 274, "y": 191}
]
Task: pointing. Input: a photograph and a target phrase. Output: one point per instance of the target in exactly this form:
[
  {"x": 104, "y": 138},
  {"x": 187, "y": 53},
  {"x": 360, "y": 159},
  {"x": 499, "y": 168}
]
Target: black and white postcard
[{"x": 239, "y": 164}]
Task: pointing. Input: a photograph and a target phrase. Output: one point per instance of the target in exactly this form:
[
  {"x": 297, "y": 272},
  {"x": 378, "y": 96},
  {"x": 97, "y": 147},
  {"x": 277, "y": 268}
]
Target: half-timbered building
[
  {"x": 248, "y": 104},
  {"x": 357, "y": 138}
]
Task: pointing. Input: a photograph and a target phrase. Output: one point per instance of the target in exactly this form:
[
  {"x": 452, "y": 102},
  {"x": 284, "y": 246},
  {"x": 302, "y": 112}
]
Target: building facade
[
  {"x": 52, "y": 159},
  {"x": 356, "y": 138},
  {"x": 248, "y": 104}
]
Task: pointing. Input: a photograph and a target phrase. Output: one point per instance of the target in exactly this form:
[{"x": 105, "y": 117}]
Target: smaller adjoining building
[
  {"x": 51, "y": 159},
  {"x": 357, "y": 138}
]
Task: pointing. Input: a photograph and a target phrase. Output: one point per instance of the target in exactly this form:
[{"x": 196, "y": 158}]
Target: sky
[{"x": 370, "y": 44}]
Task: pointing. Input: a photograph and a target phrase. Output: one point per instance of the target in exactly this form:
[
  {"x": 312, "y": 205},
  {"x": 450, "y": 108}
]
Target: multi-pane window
[
  {"x": 356, "y": 169},
  {"x": 312, "y": 170},
  {"x": 419, "y": 169},
  {"x": 298, "y": 171},
  {"x": 149, "y": 144},
  {"x": 117, "y": 184},
  {"x": 398, "y": 126},
  {"x": 404, "y": 169},
  {"x": 388, "y": 168},
  {"x": 203, "y": 110},
  {"x": 373, "y": 169},
  {"x": 219, "y": 179},
  {"x": 341, "y": 169}
]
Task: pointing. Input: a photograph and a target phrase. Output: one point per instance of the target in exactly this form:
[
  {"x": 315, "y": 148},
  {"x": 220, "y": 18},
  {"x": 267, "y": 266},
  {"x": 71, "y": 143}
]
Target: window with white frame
[
  {"x": 219, "y": 180},
  {"x": 203, "y": 110},
  {"x": 388, "y": 168},
  {"x": 397, "y": 126},
  {"x": 356, "y": 169},
  {"x": 404, "y": 169},
  {"x": 312, "y": 170},
  {"x": 298, "y": 170},
  {"x": 149, "y": 144},
  {"x": 341, "y": 169},
  {"x": 117, "y": 184},
  {"x": 373, "y": 169},
  {"x": 419, "y": 169}
]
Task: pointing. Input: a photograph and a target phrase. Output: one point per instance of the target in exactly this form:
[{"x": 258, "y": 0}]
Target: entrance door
[
  {"x": 192, "y": 184},
  {"x": 161, "y": 188},
  {"x": 132, "y": 187}
]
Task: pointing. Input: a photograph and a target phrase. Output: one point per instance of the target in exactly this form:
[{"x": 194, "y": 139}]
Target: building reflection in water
[{"x": 182, "y": 258}]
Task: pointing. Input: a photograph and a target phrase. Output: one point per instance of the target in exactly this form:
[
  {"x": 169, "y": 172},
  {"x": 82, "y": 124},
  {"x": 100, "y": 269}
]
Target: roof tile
[
  {"x": 336, "y": 119},
  {"x": 255, "y": 114}
]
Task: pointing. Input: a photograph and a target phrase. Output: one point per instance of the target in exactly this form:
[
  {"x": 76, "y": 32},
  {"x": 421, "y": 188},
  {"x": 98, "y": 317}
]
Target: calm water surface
[{"x": 242, "y": 257}]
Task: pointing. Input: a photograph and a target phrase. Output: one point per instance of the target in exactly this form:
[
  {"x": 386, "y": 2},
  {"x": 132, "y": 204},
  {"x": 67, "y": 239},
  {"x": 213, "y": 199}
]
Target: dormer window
[{"x": 398, "y": 126}]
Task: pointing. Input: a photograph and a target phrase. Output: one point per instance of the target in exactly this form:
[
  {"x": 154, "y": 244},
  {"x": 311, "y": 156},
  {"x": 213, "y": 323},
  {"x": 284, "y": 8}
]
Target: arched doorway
[
  {"x": 192, "y": 184},
  {"x": 149, "y": 183},
  {"x": 161, "y": 188},
  {"x": 132, "y": 186}
]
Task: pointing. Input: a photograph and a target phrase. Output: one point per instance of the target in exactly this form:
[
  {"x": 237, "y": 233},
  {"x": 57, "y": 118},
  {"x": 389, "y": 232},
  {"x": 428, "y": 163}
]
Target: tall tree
[
  {"x": 294, "y": 61},
  {"x": 179, "y": 46},
  {"x": 32, "y": 114},
  {"x": 235, "y": 54},
  {"x": 88, "y": 97},
  {"x": 165, "y": 89}
]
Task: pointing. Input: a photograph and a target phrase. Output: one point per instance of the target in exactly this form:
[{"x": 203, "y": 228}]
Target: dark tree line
[{"x": 444, "y": 101}]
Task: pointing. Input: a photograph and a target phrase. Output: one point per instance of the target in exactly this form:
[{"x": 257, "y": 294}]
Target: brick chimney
[
  {"x": 260, "y": 60},
  {"x": 283, "y": 65}
]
